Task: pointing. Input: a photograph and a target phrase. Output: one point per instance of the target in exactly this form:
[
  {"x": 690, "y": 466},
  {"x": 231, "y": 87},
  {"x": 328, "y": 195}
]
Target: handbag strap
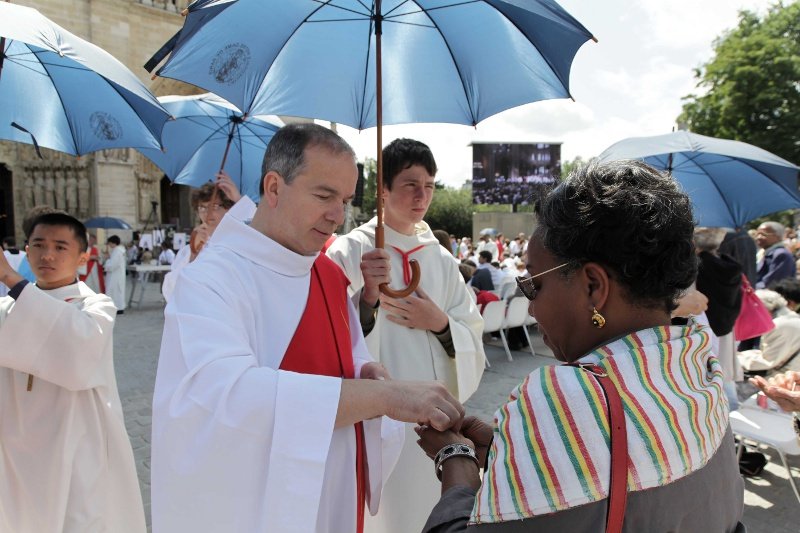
[{"x": 618, "y": 485}]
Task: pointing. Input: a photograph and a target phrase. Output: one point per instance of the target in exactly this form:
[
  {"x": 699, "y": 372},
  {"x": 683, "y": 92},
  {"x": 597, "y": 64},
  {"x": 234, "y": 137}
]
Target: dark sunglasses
[{"x": 526, "y": 284}]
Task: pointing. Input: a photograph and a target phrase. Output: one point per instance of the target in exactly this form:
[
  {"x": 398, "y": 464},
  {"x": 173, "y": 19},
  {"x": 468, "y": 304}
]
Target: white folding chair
[
  {"x": 507, "y": 289},
  {"x": 768, "y": 428},
  {"x": 494, "y": 315},
  {"x": 517, "y": 316}
]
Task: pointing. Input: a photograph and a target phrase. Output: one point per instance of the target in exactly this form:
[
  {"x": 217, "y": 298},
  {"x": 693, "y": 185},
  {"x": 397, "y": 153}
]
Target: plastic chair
[
  {"x": 517, "y": 315},
  {"x": 768, "y": 428},
  {"x": 494, "y": 315}
]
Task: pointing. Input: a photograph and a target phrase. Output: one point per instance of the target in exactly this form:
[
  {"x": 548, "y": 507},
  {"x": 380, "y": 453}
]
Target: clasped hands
[{"x": 415, "y": 311}]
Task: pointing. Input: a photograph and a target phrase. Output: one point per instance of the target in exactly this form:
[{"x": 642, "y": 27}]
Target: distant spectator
[
  {"x": 741, "y": 246},
  {"x": 789, "y": 288},
  {"x": 482, "y": 278},
  {"x": 778, "y": 262}
]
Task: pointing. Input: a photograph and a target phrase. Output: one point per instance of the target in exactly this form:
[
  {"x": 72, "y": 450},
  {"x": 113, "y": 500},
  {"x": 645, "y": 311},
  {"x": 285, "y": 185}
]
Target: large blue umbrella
[
  {"x": 209, "y": 133},
  {"x": 730, "y": 182},
  {"x": 64, "y": 93},
  {"x": 442, "y": 60}
]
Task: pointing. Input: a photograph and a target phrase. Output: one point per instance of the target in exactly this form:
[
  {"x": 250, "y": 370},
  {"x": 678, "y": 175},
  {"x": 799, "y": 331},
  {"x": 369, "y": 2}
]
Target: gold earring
[{"x": 598, "y": 320}]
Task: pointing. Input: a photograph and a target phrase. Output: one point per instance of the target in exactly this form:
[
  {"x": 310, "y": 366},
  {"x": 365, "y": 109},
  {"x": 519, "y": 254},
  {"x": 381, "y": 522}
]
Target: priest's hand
[
  {"x": 427, "y": 403},
  {"x": 423, "y": 402},
  {"x": 376, "y": 270},
  {"x": 226, "y": 185},
  {"x": 375, "y": 370},
  {"x": 8, "y": 275},
  {"x": 415, "y": 311}
]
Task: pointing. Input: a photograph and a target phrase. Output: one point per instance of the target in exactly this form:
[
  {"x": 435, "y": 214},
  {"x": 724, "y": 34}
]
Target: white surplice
[
  {"x": 415, "y": 354},
  {"x": 239, "y": 445},
  {"x": 115, "y": 276},
  {"x": 66, "y": 463}
]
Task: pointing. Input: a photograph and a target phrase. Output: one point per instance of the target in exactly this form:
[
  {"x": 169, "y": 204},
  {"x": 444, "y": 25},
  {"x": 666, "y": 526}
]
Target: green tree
[
  {"x": 370, "y": 185},
  {"x": 451, "y": 210},
  {"x": 752, "y": 84},
  {"x": 568, "y": 166}
]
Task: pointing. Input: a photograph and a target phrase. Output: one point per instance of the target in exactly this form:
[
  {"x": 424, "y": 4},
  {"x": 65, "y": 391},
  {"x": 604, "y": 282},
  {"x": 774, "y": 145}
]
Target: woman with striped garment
[{"x": 610, "y": 255}]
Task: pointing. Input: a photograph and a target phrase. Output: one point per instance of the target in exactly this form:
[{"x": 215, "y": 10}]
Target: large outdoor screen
[{"x": 513, "y": 173}]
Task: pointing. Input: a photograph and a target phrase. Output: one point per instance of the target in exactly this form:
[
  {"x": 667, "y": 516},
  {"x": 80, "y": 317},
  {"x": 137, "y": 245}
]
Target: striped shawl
[{"x": 551, "y": 439}]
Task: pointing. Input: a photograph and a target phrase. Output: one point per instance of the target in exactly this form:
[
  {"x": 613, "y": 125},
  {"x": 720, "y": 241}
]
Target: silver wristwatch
[{"x": 453, "y": 450}]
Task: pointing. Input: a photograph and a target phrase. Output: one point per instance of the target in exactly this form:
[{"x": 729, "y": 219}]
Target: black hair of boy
[
  {"x": 59, "y": 218},
  {"x": 401, "y": 154},
  {"x": 114, "y": 240}
]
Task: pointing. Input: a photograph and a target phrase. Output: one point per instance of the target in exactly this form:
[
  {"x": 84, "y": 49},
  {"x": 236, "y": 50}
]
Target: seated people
[
  {"x": 779, "y": 345},
  {"x": 66, "y": 463},
  {"x": 610, "y": 254}
]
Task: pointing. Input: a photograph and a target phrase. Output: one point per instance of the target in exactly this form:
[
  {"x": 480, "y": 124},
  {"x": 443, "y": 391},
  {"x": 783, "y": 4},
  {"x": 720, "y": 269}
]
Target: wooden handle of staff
[{"x": 415, "y": 272}]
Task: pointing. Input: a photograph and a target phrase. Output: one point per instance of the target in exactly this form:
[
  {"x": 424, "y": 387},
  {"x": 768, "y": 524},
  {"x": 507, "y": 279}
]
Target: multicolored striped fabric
[{"x": 551, "y": 440}]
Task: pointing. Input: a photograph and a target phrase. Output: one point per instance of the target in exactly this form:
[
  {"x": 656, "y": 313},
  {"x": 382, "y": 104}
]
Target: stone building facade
[{"x": 121, "y": 182}]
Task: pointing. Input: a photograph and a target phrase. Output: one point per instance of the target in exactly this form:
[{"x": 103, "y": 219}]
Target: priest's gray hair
[{"x": 285, "y": 152}]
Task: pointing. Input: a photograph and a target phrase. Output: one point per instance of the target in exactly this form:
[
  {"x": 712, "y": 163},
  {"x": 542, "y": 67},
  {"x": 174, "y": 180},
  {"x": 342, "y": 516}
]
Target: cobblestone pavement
[{"x": 770, "y": 505}]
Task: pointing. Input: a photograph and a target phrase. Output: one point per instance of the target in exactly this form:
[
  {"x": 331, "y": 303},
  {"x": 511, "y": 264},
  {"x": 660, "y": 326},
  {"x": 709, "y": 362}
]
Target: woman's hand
[
  {"x": 226, "y": 185},
  {"x": 431, "y": 441},
  {"x": 480, "y": 433}
]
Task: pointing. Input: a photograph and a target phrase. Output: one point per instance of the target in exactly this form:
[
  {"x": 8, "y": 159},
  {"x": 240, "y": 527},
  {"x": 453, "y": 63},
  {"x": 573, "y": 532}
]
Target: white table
[{"x": 143, "y": 274}]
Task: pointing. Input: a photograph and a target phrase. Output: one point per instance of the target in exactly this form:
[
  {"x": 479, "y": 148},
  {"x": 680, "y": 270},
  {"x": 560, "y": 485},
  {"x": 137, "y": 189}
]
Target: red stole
[
  {"x": 90, "y": 265},
  {"x": 325, "y": 327}
]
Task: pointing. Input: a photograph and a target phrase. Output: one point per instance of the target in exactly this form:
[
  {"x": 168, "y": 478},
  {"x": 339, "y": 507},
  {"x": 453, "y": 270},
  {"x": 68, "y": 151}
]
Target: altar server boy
[{"x": 66, "y": 463}]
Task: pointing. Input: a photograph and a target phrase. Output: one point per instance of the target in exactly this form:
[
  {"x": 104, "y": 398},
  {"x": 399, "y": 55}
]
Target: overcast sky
[{"x": 629, "y": 83}]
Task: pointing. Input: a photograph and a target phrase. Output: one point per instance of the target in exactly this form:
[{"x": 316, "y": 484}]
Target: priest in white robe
[
  {"x": 245, "y": 436},
  {"x": 435, "y": 333},
  {"x": 66, "y": 463}
]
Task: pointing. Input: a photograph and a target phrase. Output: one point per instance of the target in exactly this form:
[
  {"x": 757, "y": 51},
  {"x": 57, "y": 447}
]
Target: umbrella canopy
[
  {"x": 197, "y": 13},
  {"x": 64, "y": 93},
  {"x": 107, "y": 223},
  {"x": 491, "y": 232},
  {"x": 206, "y": 131},
  {"x": 730, "y": 182},
  {"x": 453, "y": 62},
  {"x": 443, "y": 61}
]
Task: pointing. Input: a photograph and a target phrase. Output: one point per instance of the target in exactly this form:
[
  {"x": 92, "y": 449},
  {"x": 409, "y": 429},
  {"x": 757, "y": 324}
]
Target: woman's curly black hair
[{"x": 628, "y": 217}]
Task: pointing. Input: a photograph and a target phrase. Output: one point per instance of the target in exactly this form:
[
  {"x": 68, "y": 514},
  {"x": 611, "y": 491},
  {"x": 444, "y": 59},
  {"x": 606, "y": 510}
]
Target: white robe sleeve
[
  {"x": 57, "y": 341},
  {"x": 241, "y": 431}
]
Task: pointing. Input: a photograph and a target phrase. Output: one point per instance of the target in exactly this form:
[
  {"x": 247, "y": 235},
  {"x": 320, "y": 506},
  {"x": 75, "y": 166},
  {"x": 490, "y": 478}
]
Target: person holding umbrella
[
  {"x": 212, "y": 202},
  {"x": 432, "y": 334}
]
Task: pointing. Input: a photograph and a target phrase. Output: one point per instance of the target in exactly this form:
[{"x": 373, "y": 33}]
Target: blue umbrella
[
  {"x": 730, "y": 182},
  {"x": 445, "y": 61},
  {"x": 107, "y": 223},
  {"x": 207, "y": 130},
  {"x": 64, "y": 93},
  {"x": 197, "y": 13}
]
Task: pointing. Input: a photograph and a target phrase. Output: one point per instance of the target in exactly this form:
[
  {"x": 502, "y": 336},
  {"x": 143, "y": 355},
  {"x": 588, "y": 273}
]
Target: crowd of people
[{"x": 299, "y": 388}]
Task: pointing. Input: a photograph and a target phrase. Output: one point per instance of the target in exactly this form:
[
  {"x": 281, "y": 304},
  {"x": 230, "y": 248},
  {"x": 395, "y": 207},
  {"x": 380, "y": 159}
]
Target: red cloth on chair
[{"x": 321, "y": 346}]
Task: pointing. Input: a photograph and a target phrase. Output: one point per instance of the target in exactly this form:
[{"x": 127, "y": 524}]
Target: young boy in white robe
[
  {"x": 66, "y": 463},
  {"x": 434, "y": 333}
]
